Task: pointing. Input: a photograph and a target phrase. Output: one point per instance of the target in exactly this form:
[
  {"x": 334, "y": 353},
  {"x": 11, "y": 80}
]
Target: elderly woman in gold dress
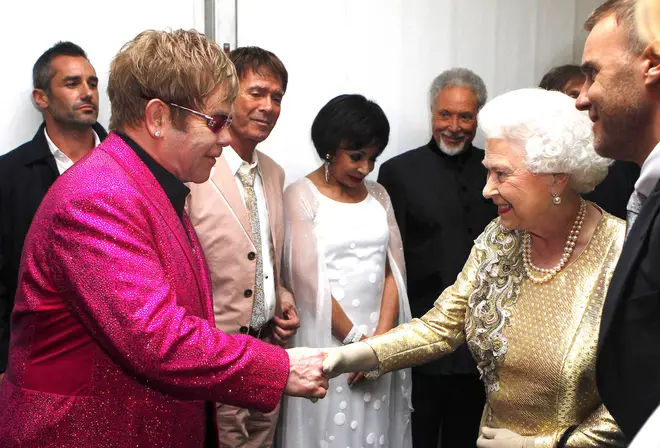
[{"x": 528, "y": 301}]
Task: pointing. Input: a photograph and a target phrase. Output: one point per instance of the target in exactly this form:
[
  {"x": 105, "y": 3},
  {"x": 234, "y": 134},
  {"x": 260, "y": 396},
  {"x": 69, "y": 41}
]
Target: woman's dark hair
[
  {"x": 557, "y": 77},
  {"x": 350, "y": 122}
]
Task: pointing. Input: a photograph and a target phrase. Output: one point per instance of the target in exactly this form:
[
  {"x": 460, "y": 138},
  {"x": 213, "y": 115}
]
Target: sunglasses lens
[{"x": 219, "y": 122}]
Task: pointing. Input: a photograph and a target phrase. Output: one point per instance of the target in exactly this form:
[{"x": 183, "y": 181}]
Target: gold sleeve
[
  {"x": 599, "y": 429},
  {"x": 438, "y": 332}
]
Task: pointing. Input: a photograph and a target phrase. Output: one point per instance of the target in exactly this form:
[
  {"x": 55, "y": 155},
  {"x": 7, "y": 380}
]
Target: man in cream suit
[{"x": 238, "y": 217}]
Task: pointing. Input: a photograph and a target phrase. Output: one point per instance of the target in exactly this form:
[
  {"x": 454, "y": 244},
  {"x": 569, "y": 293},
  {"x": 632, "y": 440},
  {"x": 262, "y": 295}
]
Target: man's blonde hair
[{"x": 181, "y": 67}]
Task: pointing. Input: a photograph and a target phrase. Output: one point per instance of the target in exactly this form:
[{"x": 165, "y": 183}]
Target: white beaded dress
[{"x": 353, "y": 245}]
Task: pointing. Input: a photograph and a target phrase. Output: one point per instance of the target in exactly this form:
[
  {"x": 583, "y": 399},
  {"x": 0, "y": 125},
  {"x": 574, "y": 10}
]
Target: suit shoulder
[
  {"x": 406, "y": 158},
  {"x": 15, "y": 157},
  {"x": 270, "y": 165}
]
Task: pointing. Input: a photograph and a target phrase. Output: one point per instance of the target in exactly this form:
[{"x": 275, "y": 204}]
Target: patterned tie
[
  {"x": 634, "y": 206},
  {"x": 258, "y": 318}
]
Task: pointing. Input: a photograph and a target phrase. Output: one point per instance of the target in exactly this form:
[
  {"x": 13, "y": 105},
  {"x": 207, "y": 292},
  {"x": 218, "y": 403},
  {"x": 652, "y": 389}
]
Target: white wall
[
  {"x": 582, "y": 10},
  {"x": 28, "y": 28},
  {"x": 390, "y": 51}
]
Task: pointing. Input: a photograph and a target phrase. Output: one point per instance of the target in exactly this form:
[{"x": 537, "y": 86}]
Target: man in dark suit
[
  {"x": 436, "y": 193},
  {"x": 66, "y": 92},
  {"x": 622, "y": 95}
]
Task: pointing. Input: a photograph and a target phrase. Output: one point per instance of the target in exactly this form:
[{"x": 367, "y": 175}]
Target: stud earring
[
  {"x": 157, "y": 134},
  {"x": 556, "y": 199},
  {"x": 326, "y": 166}
]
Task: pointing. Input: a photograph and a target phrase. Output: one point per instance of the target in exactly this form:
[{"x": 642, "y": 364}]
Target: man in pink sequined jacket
[{"x": 113, "y": 341}]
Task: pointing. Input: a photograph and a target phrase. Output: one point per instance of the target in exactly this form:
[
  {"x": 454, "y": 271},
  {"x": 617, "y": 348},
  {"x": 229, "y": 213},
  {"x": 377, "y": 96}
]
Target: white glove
[
  {"x": 357, "y": 357},
  {"x": 503, "y": 438}
]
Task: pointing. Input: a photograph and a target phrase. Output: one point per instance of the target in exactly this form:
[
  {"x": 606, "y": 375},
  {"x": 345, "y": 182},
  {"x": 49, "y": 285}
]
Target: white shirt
[
  {"x": 650, "y": 173},
  {"x": 235, "y": 164},
  {"x": 63, "y": 161}
]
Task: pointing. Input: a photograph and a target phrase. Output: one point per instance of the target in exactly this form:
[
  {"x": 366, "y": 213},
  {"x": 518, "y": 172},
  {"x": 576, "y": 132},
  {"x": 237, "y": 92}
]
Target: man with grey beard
[{"x": 436, "y": 193}]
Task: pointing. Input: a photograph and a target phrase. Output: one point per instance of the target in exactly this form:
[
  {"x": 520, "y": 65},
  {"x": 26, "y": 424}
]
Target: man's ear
[
  {"x": 40, "y": 98},
  {"x": 651, "y": 61},
  {"x": 156, "y": 115}
]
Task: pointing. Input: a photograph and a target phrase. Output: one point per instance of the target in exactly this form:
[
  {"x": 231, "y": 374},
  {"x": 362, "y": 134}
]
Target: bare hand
[
  {"x": 354, "y": 378},
  {"x": 503, "y": 438},
  {"x": 306, "y": 377},
  {"x": 285, "y": 327}
]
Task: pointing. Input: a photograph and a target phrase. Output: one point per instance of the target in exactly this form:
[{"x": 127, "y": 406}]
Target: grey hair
[
  {"x": 459, "y": 77},
  {"x": 557, "y": 138}
]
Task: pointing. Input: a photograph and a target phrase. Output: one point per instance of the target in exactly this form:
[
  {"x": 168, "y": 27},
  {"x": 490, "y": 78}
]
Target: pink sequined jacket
[{"x": 112, "y": 335}]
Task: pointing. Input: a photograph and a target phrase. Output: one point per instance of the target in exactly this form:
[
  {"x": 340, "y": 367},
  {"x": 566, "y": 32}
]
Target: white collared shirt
[
  {"x": 63, "y": 161},
  {"x": 650, "y": 173},
  {"x": 235, "y": 164}
]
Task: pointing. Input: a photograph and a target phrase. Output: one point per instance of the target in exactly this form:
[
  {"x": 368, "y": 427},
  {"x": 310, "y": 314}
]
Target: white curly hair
[{"x": 557, "y": 138}]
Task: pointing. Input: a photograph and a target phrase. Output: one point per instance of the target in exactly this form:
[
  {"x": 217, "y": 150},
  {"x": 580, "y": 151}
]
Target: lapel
[
  {"x": 225, "y": 185},
  {"x": 202, "y": 270},
  {"x": 628, "y": 260},
  {"x": 271, "y": 194},
  {"x": 151, "y": 189},
  {"x": 39, "y": 151}
]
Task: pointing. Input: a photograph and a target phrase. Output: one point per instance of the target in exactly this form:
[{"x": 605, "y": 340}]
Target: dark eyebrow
[
  {"x": 263, "y": 89},
  {"x": 588, "y": 67},
  {"x": 72, "y": 78}
]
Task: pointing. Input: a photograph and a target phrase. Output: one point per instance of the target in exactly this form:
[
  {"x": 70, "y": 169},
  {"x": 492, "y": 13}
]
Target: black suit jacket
[
  {"x": 613, "y": 192},
  {"x": 26, "y": 174},
  {"x": 440, "y": 210},
  {"x": 628, "y": 364}
]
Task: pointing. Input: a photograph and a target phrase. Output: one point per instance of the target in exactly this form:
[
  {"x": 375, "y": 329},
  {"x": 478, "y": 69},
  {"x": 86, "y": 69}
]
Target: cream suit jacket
[{"x": 221, "y": 221}]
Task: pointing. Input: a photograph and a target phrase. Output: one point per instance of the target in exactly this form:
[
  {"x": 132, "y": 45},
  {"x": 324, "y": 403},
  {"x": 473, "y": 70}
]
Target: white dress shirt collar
[
  {"x": 235, "y": 162},
  {"x": 650, "y": 173},
  {"x": 63, "y": 161}
]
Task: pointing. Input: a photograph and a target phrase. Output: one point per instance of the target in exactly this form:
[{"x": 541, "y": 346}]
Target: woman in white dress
[{"x": 343, "y": 261}]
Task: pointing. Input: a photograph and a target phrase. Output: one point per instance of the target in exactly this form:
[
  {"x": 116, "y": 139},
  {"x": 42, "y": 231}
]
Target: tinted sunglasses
[{"x": 215, "y": 123}]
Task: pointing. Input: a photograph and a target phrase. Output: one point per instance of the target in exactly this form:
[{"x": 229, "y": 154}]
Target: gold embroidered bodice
[{"x": 534, "y": 344}]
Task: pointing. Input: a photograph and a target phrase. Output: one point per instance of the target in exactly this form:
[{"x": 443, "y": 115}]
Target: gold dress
[{"x": 535, "y": 344}]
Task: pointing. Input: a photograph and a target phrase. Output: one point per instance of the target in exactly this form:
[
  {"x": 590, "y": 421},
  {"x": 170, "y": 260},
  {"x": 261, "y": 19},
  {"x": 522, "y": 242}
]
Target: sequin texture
[
  {"x": 113, "y": 341},
  {"x": 535, "y": 344}
]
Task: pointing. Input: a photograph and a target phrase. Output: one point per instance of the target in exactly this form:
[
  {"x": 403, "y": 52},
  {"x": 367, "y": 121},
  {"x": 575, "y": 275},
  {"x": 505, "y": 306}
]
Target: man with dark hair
[
  {"x": 611, "y": 194},
  {"x": 239, "y": 218},
  {"x": 436, "y": 193},
  {"x": 622, "y": 95},
  {"x": 66, "y": 93},
  {"x": 566, "y": 79}
]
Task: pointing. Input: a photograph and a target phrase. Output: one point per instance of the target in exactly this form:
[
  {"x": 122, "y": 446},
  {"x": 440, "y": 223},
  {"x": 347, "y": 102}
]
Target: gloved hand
[
  {"x": 357, "y": 357},
  {"x": 503, "y": 438}
]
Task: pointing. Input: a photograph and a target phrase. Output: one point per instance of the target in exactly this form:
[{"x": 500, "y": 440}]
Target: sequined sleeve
[
  {"x": 106, "y": 258},
  {"x": 599, "y": 429},
  {"x": 438, "y": 332}
]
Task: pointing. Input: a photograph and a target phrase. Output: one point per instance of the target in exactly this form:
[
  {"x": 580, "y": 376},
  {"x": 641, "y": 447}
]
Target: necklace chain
[{"x": 549, "y": 274}]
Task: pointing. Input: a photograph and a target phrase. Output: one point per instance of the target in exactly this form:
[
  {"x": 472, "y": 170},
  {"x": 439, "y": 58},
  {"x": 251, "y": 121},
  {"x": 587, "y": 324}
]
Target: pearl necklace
[{"x": 548, "y": 274}]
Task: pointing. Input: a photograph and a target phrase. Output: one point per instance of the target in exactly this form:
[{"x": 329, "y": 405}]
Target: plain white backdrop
[{"x": 387, "y": 50}]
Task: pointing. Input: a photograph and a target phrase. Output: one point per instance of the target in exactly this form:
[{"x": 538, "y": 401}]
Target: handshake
[{"x": 310, "y": 369}]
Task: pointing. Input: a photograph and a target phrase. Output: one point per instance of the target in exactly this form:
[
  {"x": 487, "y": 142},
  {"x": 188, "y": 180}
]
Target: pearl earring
[
  {"x": 556, "y": 199},
  {"x": 157, "y": 134}
]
